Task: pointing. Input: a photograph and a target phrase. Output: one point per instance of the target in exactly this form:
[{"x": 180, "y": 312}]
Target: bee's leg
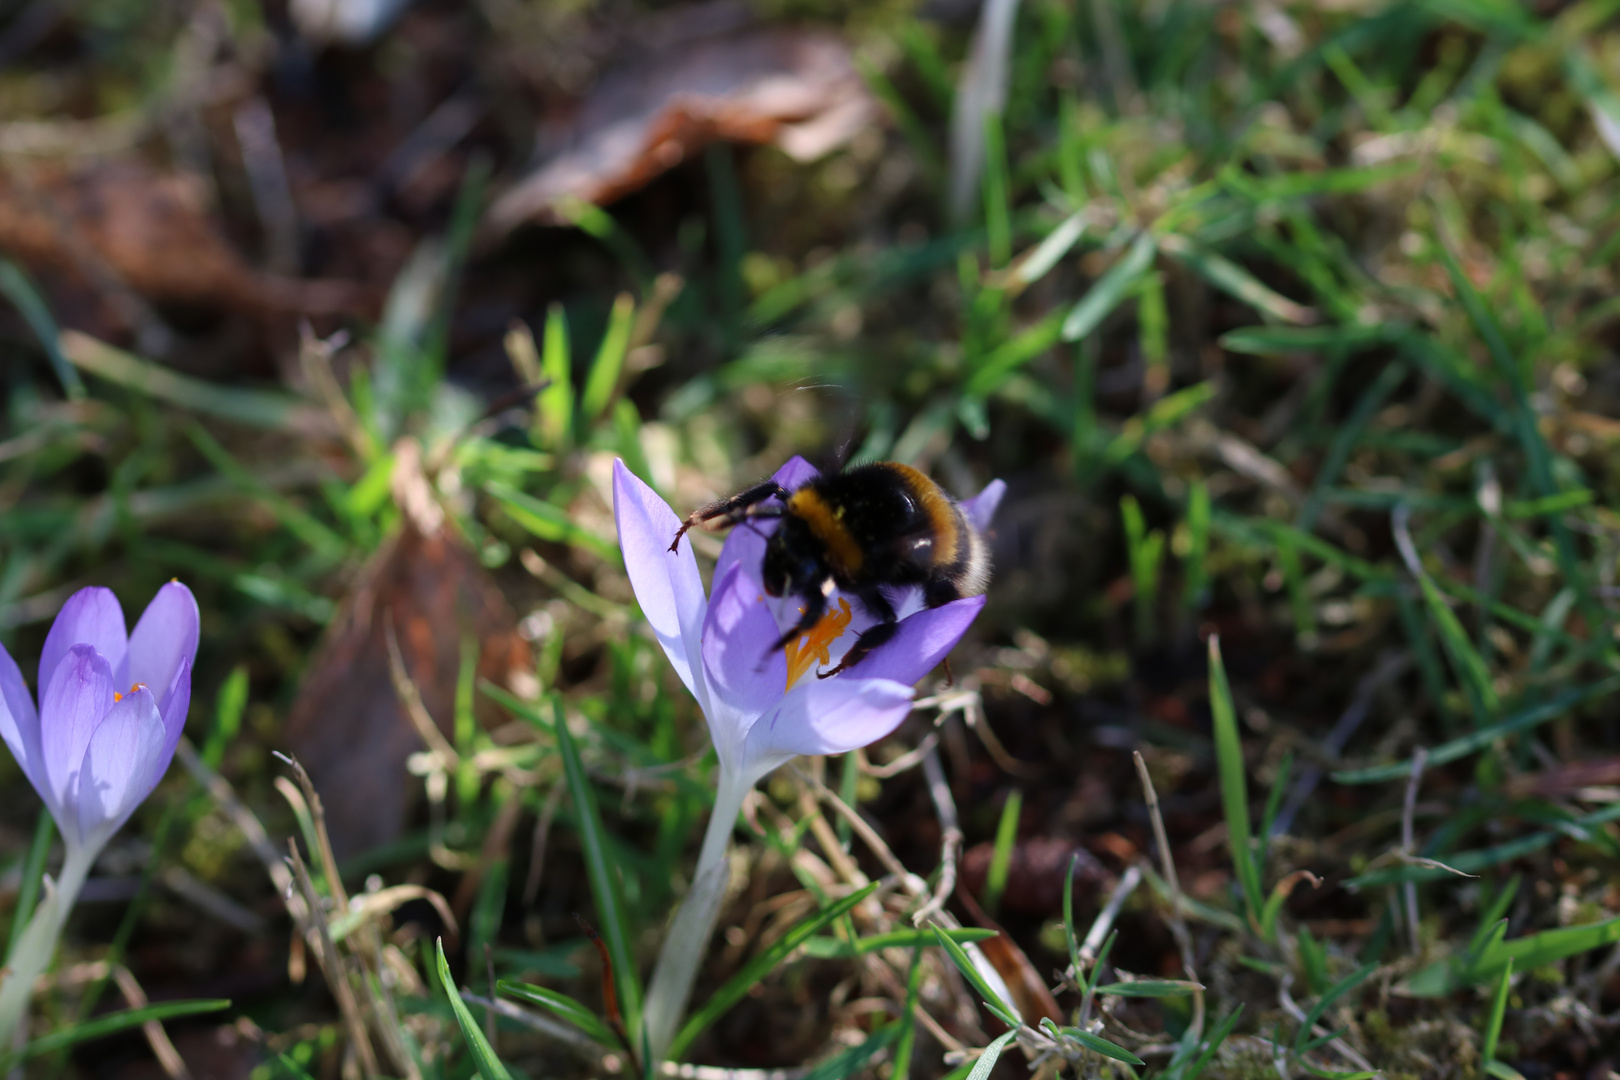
[
  {"x": 815, "y": 606},
  {"x": 889, "y": 623},
  {"x": 729, "y": 511}
]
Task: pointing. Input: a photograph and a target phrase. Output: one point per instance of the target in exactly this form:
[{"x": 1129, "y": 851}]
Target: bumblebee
[{"x": 870, "y": 526}]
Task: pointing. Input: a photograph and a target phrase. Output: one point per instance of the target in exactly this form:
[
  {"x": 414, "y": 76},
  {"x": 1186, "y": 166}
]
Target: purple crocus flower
[
  {"x": 764, "y": 706},
  {"x": 111, "y": 708}
]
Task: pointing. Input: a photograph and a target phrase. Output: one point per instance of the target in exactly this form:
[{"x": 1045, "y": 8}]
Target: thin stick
[
  {"x": 411, "y": 698},
  {"x": 1291, "y": 1007},
  {"x": 1408, "y": 843},
  {"x": 909, "y": 881},
  {"x": 329, "y": 867},
  {"x": 156, "y": 1037},
  {"x": 1105, "y": 918},
  {"x": 950, "y": 836},
  {"x": 537, "y": 851},
  {"x": 1178, "y": 922},
  {"x": 336, "y": 971}
]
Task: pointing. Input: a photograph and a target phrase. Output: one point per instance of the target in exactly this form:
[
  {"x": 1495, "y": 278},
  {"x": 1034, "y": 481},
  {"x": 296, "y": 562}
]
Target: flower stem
[
  {"x": 689, "y": 933},
  {"x": 32, "y": 955}
]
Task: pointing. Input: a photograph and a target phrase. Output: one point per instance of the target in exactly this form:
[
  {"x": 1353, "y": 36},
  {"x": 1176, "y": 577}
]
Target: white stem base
[
  {"x": 32, "y": 956},
  {"x": 689, "y": 934}
]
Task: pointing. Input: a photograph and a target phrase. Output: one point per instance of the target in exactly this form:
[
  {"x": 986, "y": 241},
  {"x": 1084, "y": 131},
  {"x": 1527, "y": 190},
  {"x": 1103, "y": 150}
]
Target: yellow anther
[{"x": 815, "y": 646}]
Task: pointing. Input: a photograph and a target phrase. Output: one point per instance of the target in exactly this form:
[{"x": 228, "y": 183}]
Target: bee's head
[{"x": 793, "y": 561}]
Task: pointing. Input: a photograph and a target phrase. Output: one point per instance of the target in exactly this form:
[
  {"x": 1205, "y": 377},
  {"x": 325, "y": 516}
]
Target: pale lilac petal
[
  {"x": 743, "y": 669},
  {"x": 982, "y": 507},
  {"x": 19, "y": 722},
  {"x": 79, "y": 695},
  {"x": 90, "y": 617},
  {"x": 667, "y": 584},
  {"x": 174, "y": 705},
  {"x": 746, "y": 543},
  {"x": 922, "y": 641},
  {"x": 165, "y": 636},
  {"x": 827, "y": 716},
  {"x": 795, "y": 473},
  {"x": 122, "y": 764}
]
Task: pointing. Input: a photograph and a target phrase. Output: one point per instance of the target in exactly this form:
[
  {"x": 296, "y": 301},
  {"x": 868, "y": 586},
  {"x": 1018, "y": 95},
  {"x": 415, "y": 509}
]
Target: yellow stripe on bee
[
  {"x": 941, "y": 514},
  {"x": 828, "y": 526}
]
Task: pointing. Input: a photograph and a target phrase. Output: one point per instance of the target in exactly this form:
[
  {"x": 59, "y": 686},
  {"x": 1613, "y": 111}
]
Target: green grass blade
[
  {"x": 101, "y": 1026},
  {"x": 1152, "y": 988},
  {"x": 1195, "y": 1068},
  {"x": 562, "y": 1006},
  {"x": 1001, "y": 855},
  {"x": 1039, "y": 260},
  {"x": 1234, "y": 786},
  {"x": 1493, "y": 915},
  {"x": 549, "y": 522},
  {"x": 1235, "y": 281},
  {"x": 737, "y": 987},
  {"x": 33, "y": 872},
  {"x": 850, "y": 1062},
  {"x": 975, "y": 978},
  {"x": 1110, "y": 289},
  {"x": 1095, "y": 1043},
  {"x": 987, "y": 1061},
  {"x": 1493, "y": 1019},
  {"x": 1547, "y": 947},
  {"x": 907, "y": 1039},
  {"x": 16, "y": 286},
  {"x": 255, "y": 408},
  {"x": 828, "y": 948},
  {"x": 1325, "y": 1002},
  {"x": 1196, "y": 588},
  {"x": 1478, "y": 740},
  {"x": 609, "y": 363},
  {"x": 599, "y": 869},
  {"x": 554, "y": 405},
  {"x": 1069, "y": 937},
  {"x": 489, "y": 1066}
]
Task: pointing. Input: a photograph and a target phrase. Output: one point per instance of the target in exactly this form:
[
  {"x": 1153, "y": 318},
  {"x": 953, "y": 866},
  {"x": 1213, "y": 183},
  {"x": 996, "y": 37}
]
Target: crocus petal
[
  {"x": 745, "y": 674},
  {"x": 667, "y": 584},
  {"x": 826, "y": 717},
  {"x": 73, "y": 705},
  {"x": 90, "y": 617},
  {"x": 746, "y": 543},
  {"x": 19, "y": 723},
  {"x": 165, "y": 636},
  {"x": 921, "y": 642},
  {"x": 174, "y": 705},
  {"x": 122, "y": 764},
  {"x": 982, "y": 507}
]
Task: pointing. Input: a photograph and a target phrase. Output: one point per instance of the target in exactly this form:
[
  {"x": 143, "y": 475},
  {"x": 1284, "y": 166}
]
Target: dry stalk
[
  {"x": 1291, "y": 1007},
  {"x": 1409, "y": 843},
  {"x": 537, "y": 849},
  {"x": 331, "y": 962},
  {"x": 1178, "y": 920},
  {"x": 158, "y": 1039},
  {"x": 950, "y": 836}
]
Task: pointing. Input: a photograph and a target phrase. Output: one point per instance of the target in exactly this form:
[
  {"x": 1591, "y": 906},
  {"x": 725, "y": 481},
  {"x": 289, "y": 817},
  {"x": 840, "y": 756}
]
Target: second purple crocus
[{"x": 111, "y": 709}]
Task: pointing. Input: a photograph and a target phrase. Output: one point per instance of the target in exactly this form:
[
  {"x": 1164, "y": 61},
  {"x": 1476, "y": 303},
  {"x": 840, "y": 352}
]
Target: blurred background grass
[{"x": 1291, "y": 322}]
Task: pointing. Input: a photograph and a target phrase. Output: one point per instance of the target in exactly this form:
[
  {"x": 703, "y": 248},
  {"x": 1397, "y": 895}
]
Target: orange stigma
[
  {"x": 132, "y": 688},
  {"x": 814, "y": 647}
]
